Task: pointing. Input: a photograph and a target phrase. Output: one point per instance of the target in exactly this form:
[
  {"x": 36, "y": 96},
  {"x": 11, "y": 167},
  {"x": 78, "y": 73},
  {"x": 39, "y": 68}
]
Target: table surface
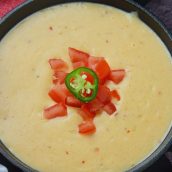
[{"x": 162, "y": 9}]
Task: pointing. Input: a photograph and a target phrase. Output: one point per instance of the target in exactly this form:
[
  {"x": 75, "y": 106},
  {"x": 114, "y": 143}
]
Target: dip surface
[{"x": 121, "y": 141}]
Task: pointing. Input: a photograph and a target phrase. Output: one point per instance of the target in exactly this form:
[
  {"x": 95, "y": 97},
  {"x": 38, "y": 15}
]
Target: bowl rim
[{"x": 167, "y": 140}]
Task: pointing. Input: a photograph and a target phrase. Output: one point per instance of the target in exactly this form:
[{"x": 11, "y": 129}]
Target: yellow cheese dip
[{"x": 121, "y": 141}]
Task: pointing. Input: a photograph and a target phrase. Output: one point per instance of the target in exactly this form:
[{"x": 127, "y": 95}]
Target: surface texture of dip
[{"x": 120, "y": 142}]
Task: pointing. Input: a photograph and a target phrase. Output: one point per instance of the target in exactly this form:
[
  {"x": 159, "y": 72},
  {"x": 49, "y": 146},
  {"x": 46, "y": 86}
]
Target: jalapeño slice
[{"x": 82, "y": 83}]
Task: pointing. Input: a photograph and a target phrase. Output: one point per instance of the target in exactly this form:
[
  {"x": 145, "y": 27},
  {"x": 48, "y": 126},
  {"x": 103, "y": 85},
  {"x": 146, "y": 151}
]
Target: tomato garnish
[
  {"x": 102, "y": 69},
  {"x": 57, "y": 110},
  {"x": 59, "y": 77},
  {"x": 92, "y": 61},
  {"x": 78, "y": 64},
  {"x": 87, "y": 127},
  {"x": 95, "y": 105},
  {"x": 117, "y": 75},
  {"x": 110, "y": 108},
  {"x": 104, "y": 94},
  {"x": 65, "y": 90},
  {"x": 58, "y": 94},
  {"x": 57, "y": 64},
  {"x": 78, "y": 56},
  {"x": 85, "y": 113},
  {"x": 84, "y": 88},
  {"x": 115, "y": 94},
  {"x": 72, "y": 101}
]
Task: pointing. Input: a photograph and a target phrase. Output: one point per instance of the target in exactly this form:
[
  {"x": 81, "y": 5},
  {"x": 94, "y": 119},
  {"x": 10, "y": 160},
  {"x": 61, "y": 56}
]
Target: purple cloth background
[{"x": 163, "y": 10}]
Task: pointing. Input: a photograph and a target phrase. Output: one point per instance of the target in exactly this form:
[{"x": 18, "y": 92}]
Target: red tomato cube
[
  {"x": 87, "y": 127},
  {"x": 85, "y": 113},
  {"x": 102, "y": 69},
  {"x": 117, "y": 75},
  {"x": 59, "y": 77},
  {"x": 114, "y": 93},
  {"x": 92, "y": 61},
  {"x": 110, "y": 108},
  {"x": 72, "y": 101},
  {"x": 104, "y": 94},
  {"x": 78, "y": 56},
  {"x": 95, "y": 105},
  {"x": 78, "y": 64},
  {"x": 57, "y": 110},
  {"x": 57, "y": 64},
  {"x": 58, "y": 94}
]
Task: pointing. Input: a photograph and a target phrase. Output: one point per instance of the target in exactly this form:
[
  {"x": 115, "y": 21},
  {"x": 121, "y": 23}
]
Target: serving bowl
[{"x": 31, "y": 6}]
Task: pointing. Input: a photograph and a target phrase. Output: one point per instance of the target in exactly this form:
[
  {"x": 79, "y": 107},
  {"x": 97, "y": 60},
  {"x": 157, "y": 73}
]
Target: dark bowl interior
[{"x": 31, "y": 6}]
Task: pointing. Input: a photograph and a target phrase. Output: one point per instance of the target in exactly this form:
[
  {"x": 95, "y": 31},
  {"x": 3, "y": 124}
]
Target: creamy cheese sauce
[{"x": 121, "y": 141}]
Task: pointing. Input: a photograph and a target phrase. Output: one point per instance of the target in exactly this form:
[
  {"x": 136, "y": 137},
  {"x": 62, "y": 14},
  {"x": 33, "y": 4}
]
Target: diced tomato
[
  {"x": 114, "y": 93},
  {"x": 92, "y": 61},
  {"x": 85, "y": 113},
  {"x": 102, "y": 69},
  {"x": 72, "y": 101},
  {"x": 58, "y": 94},
  {"x": 104, "y": 94},
  {"x": 59, "y": 77},
  {"x": 57, "y": 64},
  {"x": 87, "y": 127},
  {"x": 78, "y": 56},
  {"x": 95, "y": 105},
  {"x": 78, "y": 64},
  {"x": 110, "y": 108},
  {"x": 89, "y": 77},
  {"x": 117, "y": 75},
  {"x": 57, "y": 110},
  {"x": 55, "y": 81},
  {"x": 65, "y": 90}
]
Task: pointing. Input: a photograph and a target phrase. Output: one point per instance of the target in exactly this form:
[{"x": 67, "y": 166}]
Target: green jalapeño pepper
[{"x": 82, "y": 83}]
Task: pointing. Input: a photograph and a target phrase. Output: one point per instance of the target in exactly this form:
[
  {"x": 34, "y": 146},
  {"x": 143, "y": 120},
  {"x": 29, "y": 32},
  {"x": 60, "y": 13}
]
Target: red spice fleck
[
  {"x": 96, "y": 149},
  {"x": 51, "y": 28},
  {"x": 83, "y": 162},
  {"x": 159, "y": 92},
  {"x": 127, "y": 130}
]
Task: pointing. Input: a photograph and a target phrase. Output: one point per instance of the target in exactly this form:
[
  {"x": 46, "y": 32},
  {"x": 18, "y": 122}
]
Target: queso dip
[{"x": 121, "y": 141}]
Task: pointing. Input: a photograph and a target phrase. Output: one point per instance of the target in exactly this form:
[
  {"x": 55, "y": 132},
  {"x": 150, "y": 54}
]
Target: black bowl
[{"x": 31, "y": 6}]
